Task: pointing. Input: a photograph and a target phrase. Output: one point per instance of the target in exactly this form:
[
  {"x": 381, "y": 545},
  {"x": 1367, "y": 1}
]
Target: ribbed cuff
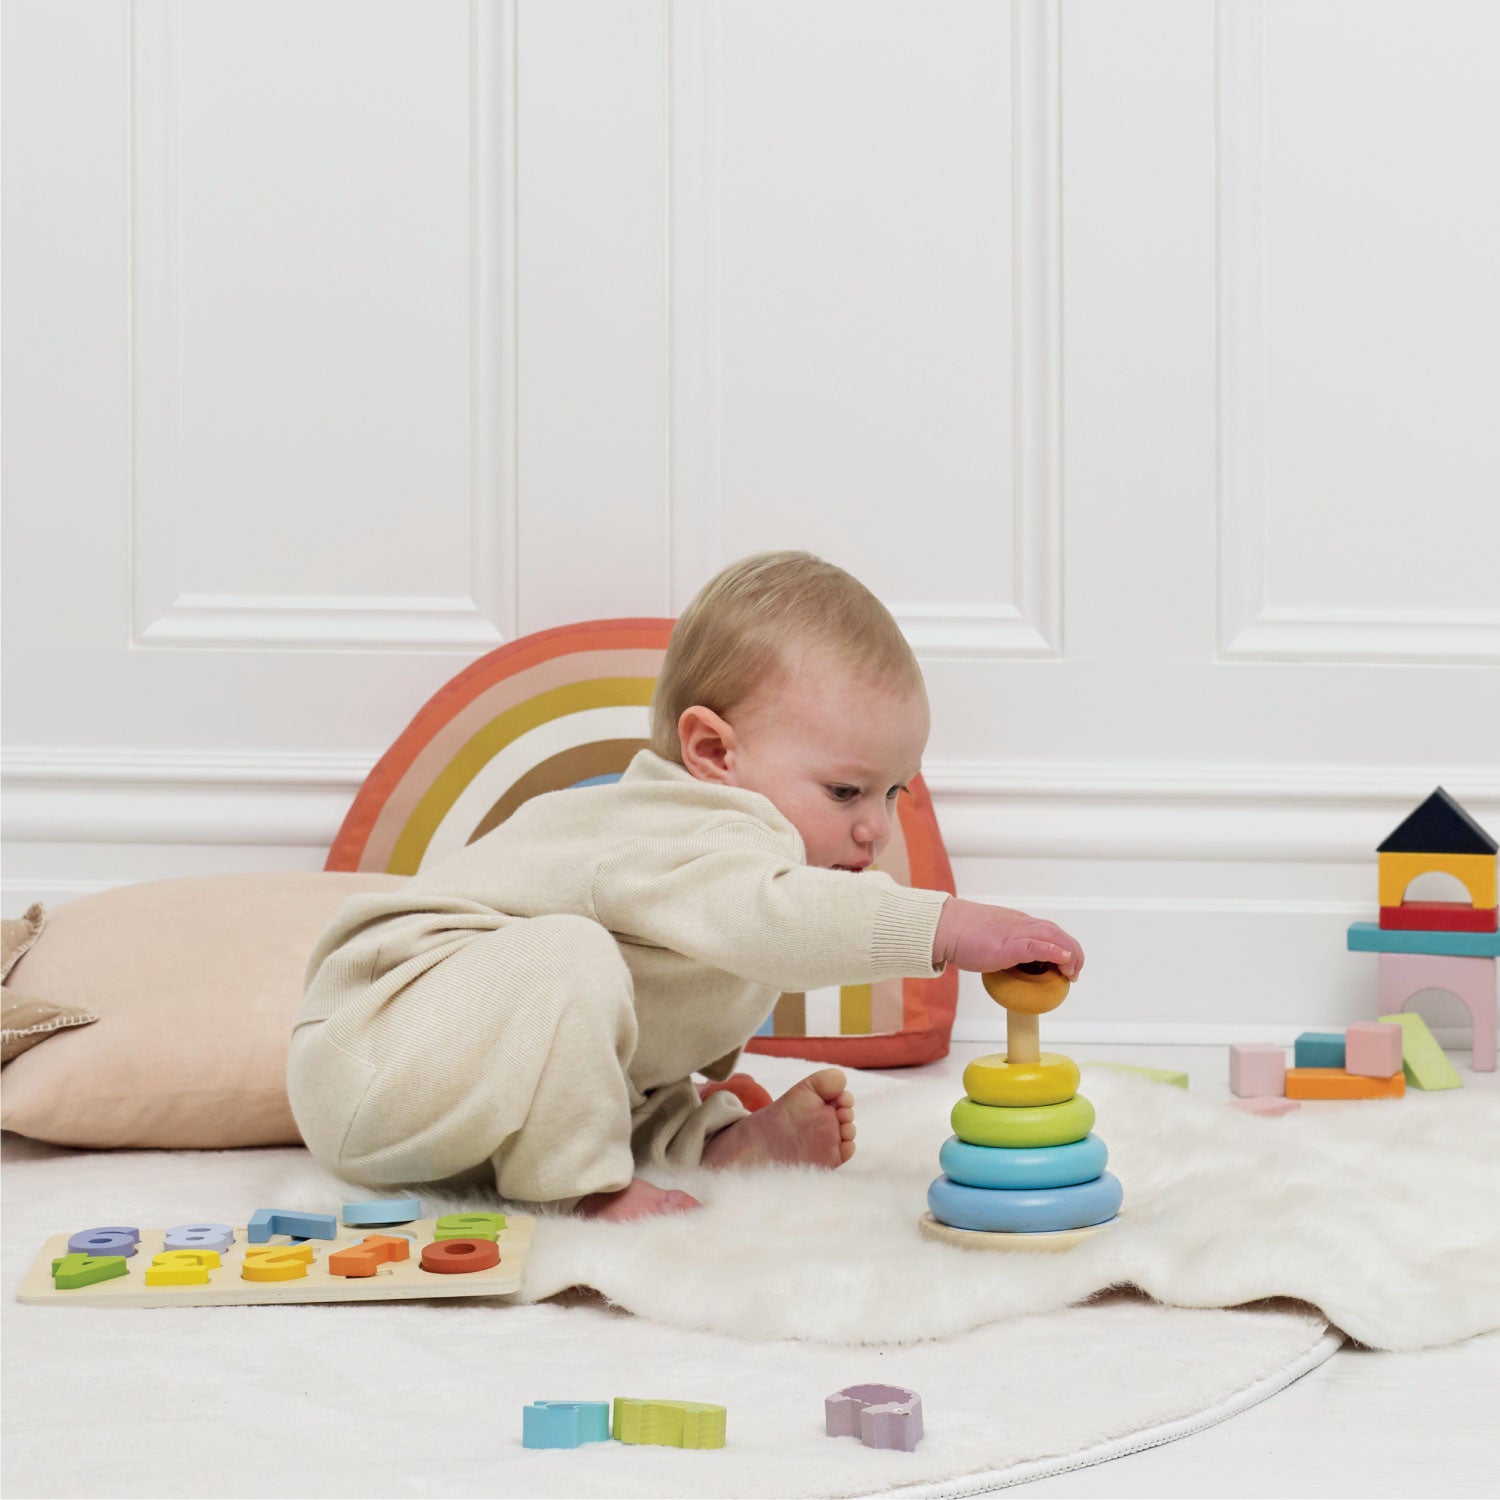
[{"x": 906, "y": 923}]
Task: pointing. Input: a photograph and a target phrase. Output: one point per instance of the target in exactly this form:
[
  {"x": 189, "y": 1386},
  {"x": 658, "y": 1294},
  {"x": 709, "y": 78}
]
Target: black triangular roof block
[{"x": 1438, "y": 826}]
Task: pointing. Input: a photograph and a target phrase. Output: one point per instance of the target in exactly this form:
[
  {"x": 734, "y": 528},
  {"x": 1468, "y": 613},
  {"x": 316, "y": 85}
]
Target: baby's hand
[{"x": 974, "y": 936}]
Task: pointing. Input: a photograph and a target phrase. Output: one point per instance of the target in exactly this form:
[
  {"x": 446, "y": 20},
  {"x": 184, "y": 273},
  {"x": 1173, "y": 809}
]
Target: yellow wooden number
[
  {"x": 276, "y": 1262},
  {"x": 181, "y": 1267}
]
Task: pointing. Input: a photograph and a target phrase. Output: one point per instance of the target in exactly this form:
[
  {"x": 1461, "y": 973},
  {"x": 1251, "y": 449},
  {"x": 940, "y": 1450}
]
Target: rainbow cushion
[{"x": 571, "y": 707}]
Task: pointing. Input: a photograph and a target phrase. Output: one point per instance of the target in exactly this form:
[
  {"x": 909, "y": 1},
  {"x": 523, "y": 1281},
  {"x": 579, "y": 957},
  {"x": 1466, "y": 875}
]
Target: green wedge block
[
  {"x": 1425, "y": 1064},
  {"x": 1161, "y": 1075}
]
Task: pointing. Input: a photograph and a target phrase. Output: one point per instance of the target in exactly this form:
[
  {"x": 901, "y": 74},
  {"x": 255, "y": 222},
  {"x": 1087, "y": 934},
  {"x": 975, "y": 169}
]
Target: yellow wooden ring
[
  {"x": 993, "y": 1080},
  {"x": 1033, "y": 1125},
  {"x": 1035, "y": 994}
]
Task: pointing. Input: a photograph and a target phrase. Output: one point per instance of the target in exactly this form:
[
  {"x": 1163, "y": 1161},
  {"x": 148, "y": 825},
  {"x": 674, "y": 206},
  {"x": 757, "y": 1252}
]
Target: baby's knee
[{"x": 572, "y": 951}]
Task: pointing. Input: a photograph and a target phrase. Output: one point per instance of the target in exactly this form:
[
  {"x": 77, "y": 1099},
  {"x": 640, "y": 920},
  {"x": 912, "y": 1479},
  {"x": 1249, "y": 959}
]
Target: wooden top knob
[{"x": 1032, "y": 989}]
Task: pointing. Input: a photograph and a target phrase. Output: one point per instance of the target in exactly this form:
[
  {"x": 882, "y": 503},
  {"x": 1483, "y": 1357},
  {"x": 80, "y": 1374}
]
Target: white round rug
[{"x": 425, "y": 1398}]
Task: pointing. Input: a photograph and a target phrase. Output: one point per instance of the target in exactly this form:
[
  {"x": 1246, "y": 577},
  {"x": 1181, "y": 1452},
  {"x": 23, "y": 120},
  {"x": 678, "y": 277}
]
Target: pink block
[
  {"x": 1265, "y": 1106},
  {"x": 1257, "y": 1070},
  {"x": 1372, "y": 1049},
  {"x": 1470, "y": 978}
]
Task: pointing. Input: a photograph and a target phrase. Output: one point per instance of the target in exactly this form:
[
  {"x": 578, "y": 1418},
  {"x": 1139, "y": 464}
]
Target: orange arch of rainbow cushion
[
  {"x": 536, "y": 683},
  {"x": 507, "y": 692}
]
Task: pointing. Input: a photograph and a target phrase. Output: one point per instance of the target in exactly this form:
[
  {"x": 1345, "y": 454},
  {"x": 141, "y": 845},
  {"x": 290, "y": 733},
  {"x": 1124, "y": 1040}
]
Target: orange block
[
  {"x": 1335, "y": 1083},
  {"x": 365, "y": 1258}
]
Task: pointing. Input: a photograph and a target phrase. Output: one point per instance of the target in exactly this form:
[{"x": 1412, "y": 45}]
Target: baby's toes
[
  {"x": 830, "y": 1085},
  {"x": 847, "y": 1130},
  {"x": 846, "y": 1150}
]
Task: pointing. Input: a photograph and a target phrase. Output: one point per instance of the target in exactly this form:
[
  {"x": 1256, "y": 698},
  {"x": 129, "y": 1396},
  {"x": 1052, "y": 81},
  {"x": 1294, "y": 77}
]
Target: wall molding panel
[
  {"x": 167, "y": 610},
  {"x": 1030, "y": 623},
  {"x": 1251, "y": 627}
]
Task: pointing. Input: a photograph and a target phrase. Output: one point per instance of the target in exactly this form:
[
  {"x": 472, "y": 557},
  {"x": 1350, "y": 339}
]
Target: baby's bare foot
[
  {"x": 812, "y": 1123},
  {"x": 640, "y": 1200}
]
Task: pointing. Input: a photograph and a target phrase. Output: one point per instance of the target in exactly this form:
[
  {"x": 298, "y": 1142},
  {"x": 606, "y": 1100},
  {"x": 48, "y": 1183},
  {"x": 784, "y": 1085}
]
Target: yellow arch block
[{"x": 1475, "y": 872}]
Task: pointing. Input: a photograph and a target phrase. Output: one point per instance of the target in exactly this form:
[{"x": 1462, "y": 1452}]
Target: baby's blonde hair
[{"x": 742, "y": 626}]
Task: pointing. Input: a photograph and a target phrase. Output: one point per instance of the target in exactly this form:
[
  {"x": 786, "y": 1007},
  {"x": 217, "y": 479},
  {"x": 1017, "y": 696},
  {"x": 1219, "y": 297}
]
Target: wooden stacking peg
[{"x": 1023, "y": 1037}]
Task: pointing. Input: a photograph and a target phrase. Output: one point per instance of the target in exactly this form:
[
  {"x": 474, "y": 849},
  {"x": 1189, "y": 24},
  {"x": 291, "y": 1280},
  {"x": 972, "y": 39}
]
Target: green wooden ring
[{"x": 1034, "y": 1125}]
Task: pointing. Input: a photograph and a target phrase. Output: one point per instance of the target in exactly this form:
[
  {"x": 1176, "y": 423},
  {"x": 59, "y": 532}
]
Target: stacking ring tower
[{"x": 1023, "y": 1169}]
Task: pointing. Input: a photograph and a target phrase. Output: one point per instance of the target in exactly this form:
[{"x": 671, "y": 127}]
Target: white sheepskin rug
[{"x": 1385, "y": 1215}]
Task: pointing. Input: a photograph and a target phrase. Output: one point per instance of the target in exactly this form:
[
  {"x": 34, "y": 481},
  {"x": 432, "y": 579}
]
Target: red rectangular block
[
  {"x": 1439, "y": 916},
  {"x": 1335, "y": 1083}
]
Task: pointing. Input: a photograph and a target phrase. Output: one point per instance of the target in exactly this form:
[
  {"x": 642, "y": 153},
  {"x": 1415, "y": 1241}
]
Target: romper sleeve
[{"x": 731, "y": 897}]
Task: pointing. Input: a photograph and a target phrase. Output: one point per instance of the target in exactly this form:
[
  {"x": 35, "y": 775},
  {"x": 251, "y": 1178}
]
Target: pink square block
[
  {"x": 1373, "y": 1049},
  {"x": 1257, "y": 1070},
  {"x": 1265, "y": 1106}
]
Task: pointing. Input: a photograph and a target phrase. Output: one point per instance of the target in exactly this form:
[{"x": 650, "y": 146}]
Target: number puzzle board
[{"x": 227, "y": 1288}]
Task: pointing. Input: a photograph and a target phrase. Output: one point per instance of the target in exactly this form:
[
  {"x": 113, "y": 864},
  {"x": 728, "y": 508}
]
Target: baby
[{"x": 529, "y": 1012}]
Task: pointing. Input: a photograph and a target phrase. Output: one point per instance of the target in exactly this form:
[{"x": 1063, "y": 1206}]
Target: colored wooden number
[
  {"x": 564, "y": 1424},
  {"x": 880, "y": 1416},
  {"x": 276, "y": 1262},
  {"x": 456, "y": 1257},
  {"x": 670, "y": 1424},
  {"x": 381, "y": 1211},
  {"x": 268, "y": 1221},
  {"x": 107, "y": 1239},
  {"x": 74, "y": 1270},
  {"x": 199, "y": 1237},
  {"x": 365, "y": 1258},
  {"x": 181, "y": 1267},
  {"x": 469, "y": 1227}
]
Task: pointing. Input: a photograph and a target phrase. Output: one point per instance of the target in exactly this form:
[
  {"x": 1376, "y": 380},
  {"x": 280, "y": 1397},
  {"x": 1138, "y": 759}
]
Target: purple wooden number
[
  {"x": 199, "y": 1237},
  {"x": 107, "y": 1239}
]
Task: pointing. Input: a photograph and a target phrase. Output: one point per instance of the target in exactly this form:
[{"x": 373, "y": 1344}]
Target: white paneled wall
[{"x": 1140, "y": 356}]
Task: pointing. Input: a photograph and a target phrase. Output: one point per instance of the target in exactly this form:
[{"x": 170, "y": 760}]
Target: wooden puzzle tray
[{"x": 226, "y": 1286}]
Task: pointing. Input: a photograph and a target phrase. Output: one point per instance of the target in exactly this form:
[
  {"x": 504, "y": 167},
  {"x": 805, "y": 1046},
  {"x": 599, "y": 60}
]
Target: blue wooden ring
[
  {"x": 1023, "y": 1166},
  {"x": 1033, "y": 1211}
]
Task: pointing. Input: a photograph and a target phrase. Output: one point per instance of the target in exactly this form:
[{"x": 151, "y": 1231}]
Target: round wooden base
[{"x": 978, "y": 1239}]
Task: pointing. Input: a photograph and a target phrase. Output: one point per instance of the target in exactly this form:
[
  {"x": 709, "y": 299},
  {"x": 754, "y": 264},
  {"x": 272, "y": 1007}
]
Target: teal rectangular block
[
  {"x": 1371, "y": 937},
  {"x": 1319, "y": 1049}
]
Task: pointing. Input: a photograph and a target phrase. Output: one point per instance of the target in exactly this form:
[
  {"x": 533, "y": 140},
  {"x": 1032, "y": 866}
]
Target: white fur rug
[
  {"x": 1383, "y": 1214},
  {"x": 788, "y": 1286}
]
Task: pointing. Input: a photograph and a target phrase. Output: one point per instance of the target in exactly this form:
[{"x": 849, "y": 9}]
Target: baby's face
[{"x": 832, "y": 752}]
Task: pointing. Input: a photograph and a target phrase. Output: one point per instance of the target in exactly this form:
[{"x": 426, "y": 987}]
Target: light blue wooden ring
[
  {"x": 1023, "y": 1166},
  {"x": 1033, "y": 1211}
]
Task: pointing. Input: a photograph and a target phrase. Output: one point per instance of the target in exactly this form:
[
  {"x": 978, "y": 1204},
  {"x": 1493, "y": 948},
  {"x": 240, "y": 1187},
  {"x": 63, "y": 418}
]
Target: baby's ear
[{"x": 706, "y": 742}]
